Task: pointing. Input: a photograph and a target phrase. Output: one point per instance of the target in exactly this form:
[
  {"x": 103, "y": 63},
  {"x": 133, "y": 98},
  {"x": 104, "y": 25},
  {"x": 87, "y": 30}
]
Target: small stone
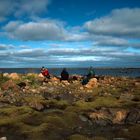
[
  {"x": 33, "y": 90},
  {"x": 3, "y": 138},
  {"x": 83, "y": 118},
  {"x": 81, "y": 88}
]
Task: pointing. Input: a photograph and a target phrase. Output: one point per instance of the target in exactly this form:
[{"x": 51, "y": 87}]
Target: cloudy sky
[{"x": 69, "y": 33}]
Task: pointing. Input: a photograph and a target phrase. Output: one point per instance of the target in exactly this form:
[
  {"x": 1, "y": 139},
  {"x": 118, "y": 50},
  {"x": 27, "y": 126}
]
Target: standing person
[
  {"x": 45, "y": 72},
  {"x": 64, "y": 74}
]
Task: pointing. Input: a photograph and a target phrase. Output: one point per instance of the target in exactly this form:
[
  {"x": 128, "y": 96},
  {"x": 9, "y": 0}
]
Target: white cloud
[
  {"x": 19, "y": 8},
  {"x": 110, "y": 30},
  {"x": 32, "y": 7},
  {"x": 6, "y": 47},
  {"x": 44, "y": 30},
  {"x": 29, "y": 53},
  {"x": 69, "y": 56},
  {"x": 120, "y": 22},
  {"x": 6, "y": 8}
]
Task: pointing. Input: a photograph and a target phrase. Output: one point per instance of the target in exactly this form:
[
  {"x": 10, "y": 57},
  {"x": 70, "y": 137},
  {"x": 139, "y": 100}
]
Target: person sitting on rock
[
  {"x": 91, "y": 74},
  {"x": 45, "y": 72},
  {"x": 64, "y": 75}
]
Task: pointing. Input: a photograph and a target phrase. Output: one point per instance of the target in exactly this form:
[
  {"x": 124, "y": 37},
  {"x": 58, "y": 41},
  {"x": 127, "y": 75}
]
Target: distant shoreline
[
  {"x": 129, "y": 72},
  {"x": 78, "y": 68}
]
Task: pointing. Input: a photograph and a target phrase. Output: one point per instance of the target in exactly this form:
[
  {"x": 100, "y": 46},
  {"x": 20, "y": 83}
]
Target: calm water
[{"x": 130, "y": 72}]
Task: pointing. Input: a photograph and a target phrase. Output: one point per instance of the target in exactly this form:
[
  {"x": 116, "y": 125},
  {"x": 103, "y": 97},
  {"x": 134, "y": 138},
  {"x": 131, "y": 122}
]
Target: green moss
[
  {"x": 33, "y": 119},
  {"x": 13, "y": 110},
  {"x": 13, "y": 115},
  {"x": 98, "y": 102},
  {"x": 71, "y": 119},
  {"x": 37, "y": 99},
  {"x": 61, "y": 104}
]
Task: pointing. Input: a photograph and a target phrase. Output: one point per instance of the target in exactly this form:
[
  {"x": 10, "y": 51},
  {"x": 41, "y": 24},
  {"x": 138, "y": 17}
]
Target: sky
[{"x": 69, "y": 33}]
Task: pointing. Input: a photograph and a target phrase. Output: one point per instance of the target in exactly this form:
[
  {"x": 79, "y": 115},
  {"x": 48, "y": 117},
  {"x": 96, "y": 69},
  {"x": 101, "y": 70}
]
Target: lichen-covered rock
[
  {"x": 14, "y": 76},
  {"x": 40, "y": 75},
  {"x": 92, "y": 83}
]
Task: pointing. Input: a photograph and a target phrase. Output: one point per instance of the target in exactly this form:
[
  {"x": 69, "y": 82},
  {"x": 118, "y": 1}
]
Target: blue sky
[{"x": 69, "y": 33}]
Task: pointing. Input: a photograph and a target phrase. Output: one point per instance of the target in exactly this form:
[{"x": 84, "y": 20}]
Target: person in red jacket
[{"x": 45, "y": 72}]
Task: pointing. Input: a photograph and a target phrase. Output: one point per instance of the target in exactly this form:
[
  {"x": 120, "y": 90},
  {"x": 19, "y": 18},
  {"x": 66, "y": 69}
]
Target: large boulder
[
  {"x": 92, "y": 83},
  {"x": 14, "y": 76},
  {"x": 40, "y": 77}
]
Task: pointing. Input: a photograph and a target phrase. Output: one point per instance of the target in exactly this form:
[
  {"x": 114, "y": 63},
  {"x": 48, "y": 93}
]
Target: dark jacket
[{"x": 64, "y": 75}]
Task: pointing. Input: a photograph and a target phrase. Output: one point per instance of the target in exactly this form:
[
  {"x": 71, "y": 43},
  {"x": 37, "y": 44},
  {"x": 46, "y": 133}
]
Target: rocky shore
[{"x": 31, "y": 108}]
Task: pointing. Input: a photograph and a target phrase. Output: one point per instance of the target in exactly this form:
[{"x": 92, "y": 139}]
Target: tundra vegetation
[{"x": 32, "y": 108}]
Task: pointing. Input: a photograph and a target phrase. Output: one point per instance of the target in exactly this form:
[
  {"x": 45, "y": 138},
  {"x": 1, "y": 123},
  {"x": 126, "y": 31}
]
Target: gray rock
[
  {"x": 83, "y": 118},
  {"x": 133, "y": 116}
]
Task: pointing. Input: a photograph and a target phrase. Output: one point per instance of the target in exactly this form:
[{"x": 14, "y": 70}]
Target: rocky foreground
[{"x": 31, "y": 108}]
